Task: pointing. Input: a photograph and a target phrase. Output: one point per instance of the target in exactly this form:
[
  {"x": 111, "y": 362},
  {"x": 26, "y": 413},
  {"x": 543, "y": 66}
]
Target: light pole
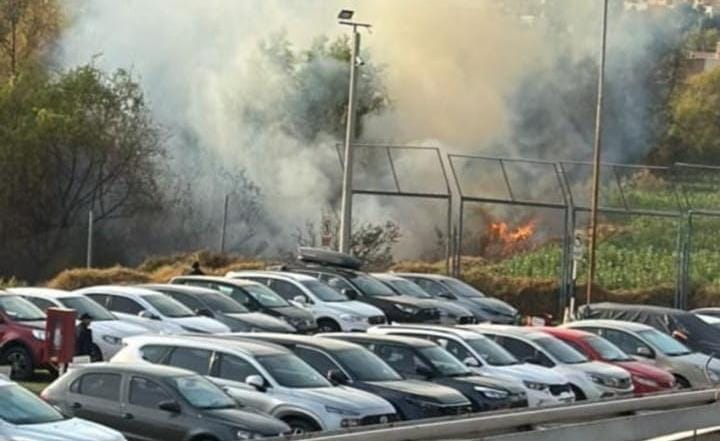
[
  {"x": 596, "y": 158},
  {"x": 345, "y": 17}
]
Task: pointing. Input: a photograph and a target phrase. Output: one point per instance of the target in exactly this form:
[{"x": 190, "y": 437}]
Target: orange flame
[{"x": 504, "y": 240}]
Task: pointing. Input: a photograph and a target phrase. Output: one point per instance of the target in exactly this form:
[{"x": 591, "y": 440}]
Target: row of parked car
[{"x": 243, "y": 357}]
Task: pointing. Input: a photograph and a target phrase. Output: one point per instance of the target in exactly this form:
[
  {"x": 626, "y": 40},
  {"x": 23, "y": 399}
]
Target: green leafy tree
[{"x": 27, "y": 28}]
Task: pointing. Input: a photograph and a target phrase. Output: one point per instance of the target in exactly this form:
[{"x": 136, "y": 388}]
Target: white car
[
  {"x": 590, "y": 380},
  {"x": 107, "y": 330},
  {"x": 158, "y": 312},
  {"x": 485, "y": 357},
  {"x": 332, "y": 309},
  {"x": 24, "y": 416},
  {"x": 264, "y": 376}
]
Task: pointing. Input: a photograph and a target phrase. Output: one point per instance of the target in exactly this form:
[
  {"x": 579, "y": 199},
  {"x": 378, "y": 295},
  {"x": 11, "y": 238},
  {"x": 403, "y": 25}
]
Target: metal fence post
[
  {"x": 89, "y": 257},
  {"x": 224, "y": 223}
]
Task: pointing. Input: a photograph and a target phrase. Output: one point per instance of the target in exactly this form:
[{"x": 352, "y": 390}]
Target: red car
[
  {"x": 646, "y": 378},
  {"x": 22, "y": 336}
]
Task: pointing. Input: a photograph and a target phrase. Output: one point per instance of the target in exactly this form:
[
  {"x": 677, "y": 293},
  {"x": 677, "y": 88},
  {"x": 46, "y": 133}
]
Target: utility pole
[
  {"x": 224, "y": 223},
  {"x": 90, "y": 239},
  {"x": 346, "y": 204},
  {"x": 592, "y": 257}
]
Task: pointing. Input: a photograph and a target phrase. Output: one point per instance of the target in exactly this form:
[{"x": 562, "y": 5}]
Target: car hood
[
  {"x": 497, "y": 306},
  {"x": 425, "y": 390},
  {"x": 600, "y": 368},
  {"x": 513, "y": 386},
  {"x": 294, "y": 312},
  {"x": 249, "y": 419},
  {"x": 345, "y": 397},
  {"x": 355, "y": 308},
  {"x": 262, "y": 321},
  {"x": 411, "y": 301},
  {"x": 646, "y": 370},
  {"x": 200, "y": 324},
  {"x": 536, "y": 374},
  {"x": 40, "y": 324},
  {"x": 73, "y": 429},
  {"x": 117, "y": 328}
]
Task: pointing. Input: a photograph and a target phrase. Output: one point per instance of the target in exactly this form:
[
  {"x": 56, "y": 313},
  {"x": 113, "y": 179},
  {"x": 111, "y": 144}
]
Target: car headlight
[
  {"x": 246, "y": 434},
  {"x": 495, "y": 394},
  {"x": 605, "y": 381},
  {"x": 406, "y": 309},
  {"x": 536, "y": 386},
  {"x": 351, "y": 318},
  {"x": 645, "y": 381},
  {"x": 339, "y": 411},
  {"x": 38, "y": 334},
  {"x": 112, "y": 340}
]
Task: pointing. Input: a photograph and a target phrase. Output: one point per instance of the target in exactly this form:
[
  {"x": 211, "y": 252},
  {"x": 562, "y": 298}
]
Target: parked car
[
  {"x": 22, "y": 336},
  {"x": 107, "y": 330},
  {"x": 709, "y": 311},
  {"x": 486, "y": 308},
  {"x": 483, "y": 356},
  {"x": 210, "y": 303},
  {"x": 157, "y": 403},
  {"x": 158, "y": 312},
  {"x": 350, "y": 364},
  {"x": 684, "y": 326},
  {"x": 341, "y": 272},
  {"x": 589, "y": 380},
  {"x": 255, "y": 297},
  {"x": 24, "y": 416},
  {"x": 646, "y": 378},
  {"x": 331, "y": 309},
  {"x": 451, "y": 312},
  {"x": 422, "y": 359},
  {"x": 657, "y": 348},
  {"x": 264, "y": 376},
  {"x": 711, "y": 320}
]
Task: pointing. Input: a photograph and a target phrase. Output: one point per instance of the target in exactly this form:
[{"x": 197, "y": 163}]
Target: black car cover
[{"x": 685, "y": 326}]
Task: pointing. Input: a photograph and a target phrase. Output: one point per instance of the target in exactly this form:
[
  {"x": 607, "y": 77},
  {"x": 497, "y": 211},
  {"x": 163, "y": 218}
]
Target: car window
[
  {"x": 289, "y": 370},
  {"x": 235, "y": 368},
  {"x": 323, "y": 291},
  {"x": 187, "y": 300},
  {"x": 124, "y": 305},
  {"x": 266, "y": 296},
  {"x": 237, "y": 294},
  {"x": 606, "y": 350},
  {"x": 41, "y": 303},
  {"x": 202, "y": 394},
  {"x": 523, "y": 351},
  {"x": 560, "y": 350},
  {"x": 400, "y": 358},
  {"x": 319, "y": 361},
  {"x": 19, "y": 309},
  {"x": 336, "y": 282},
  {"x": 102, "y": 299},
  {"x": 83, "y": 305},
  {"x": 196, "y": 360},
  {"x": 431, "y": 286},
  {"x": 408, "y": 288},
  {"x": 286, "y": 289},
  {"x": 366, "y": 366},
  {"x": 155, "y": 353},
  {"x": 456, "y": 349},
  {"x": 167, "y": 306},
  {"x": 628, "y": 343},
  {"x": 20, "y": 406},
  {"x": 146, "y": 393},
  {"x": 223, "y": 304},
  {"x": 105, "y": 386}
]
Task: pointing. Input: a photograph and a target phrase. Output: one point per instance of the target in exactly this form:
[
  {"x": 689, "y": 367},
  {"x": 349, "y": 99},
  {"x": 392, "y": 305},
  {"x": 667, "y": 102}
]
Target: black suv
[
  {"x": 352, "y": 365},
  {"x": 341, "y": 272},
  {"x": 424, "y": 360}
]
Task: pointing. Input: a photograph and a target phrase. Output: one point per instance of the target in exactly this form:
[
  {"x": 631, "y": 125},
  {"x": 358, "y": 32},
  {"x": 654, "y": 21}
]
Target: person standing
[{"x": 83, "y": 339}]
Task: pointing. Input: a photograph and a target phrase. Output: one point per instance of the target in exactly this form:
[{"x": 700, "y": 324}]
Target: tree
[
  {"x": 27, "y": 28},
  {"x": 70, "y": 142}
]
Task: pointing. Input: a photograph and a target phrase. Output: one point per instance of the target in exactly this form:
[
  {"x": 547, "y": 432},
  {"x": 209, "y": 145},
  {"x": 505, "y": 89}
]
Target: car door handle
[
  {"x": 127, "y": 416},
  {"x": 76, "y": 406}
]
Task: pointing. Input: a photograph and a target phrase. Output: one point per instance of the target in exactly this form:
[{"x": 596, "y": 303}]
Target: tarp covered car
[{"x": 684, "y": 326}]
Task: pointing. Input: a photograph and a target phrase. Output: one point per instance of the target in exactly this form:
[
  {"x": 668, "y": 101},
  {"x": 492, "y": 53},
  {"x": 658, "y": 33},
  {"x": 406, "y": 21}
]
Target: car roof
[
  {"x": 566, "y": 332},
  {"x": 709, "y": 319},
  {"x": 615, "y": 324},
  {"x": 219, "y": 279},
  {"x": 447, "y": 330},
  {"x": 384, "y": 338},
  {"x": 423, "y": 275},
  {"x": 233, "y": 342},
  {"x": 117, "y": 290},
  {"x": 41, "y": 292},
  {"x": 298, "y": 277},
  {"x": 389, "y": 277},
  {"x": 328, "y": 344},
  {"x": 517, "y": 331},
  {"x": 157, "y": 370},
  {"x": 187, "y": 289}
]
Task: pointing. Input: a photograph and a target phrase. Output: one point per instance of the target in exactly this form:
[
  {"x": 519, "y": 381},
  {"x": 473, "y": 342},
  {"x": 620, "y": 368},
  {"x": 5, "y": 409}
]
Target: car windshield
[
  {"x": 265, "y": 296},
  {"x": 202, "y": 394},
  {"x": 607, "y": 350},
  {"x": 168, "y": 306},
  {"x": 371, "y": 287},
  {"x": 223, "y": 304},
  {"x": 363, "y": 365},
  {"x": 461, "y": 288},
  {"x": 409, "y": 288},
  {"x": 19, "y": 406},
  {"x": 324, "y": 292},
  {"x": 19, "y": 309},
  {"x": 491, "y": 352},
  {"x": 664, "y": 343},
  {"x": 561, "y": 351},
  {"x": 84, "y": 305},
  {"x": 444, "y": 362},
  {"x": 290, "y": 371}
]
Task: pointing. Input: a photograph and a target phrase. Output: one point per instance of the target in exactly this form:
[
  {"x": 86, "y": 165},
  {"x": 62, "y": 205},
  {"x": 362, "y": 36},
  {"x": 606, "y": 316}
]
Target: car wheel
[
  {"x": 328, "y": 325},
  {"x": 579, "y": 394},
  {"x": 300, "y": 426},
  {"x": 20, "y": 361}
]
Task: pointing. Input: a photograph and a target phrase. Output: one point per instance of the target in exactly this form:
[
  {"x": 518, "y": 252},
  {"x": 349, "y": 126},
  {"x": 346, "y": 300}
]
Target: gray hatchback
[{"x": 150, "y": 402}]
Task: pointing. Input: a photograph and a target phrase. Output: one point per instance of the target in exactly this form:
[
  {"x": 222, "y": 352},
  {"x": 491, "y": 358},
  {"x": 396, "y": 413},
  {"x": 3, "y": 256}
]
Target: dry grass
[{"x": 83, "y": 277}]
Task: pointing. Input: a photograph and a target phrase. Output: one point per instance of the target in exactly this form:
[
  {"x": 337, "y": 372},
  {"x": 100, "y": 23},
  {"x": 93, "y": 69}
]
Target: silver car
[
  {"x": 590, "y": 380},
  {"x": 264, "y": 376},
  {"x": 659, "y": 349},
  {"x": 24, "y": 416}
]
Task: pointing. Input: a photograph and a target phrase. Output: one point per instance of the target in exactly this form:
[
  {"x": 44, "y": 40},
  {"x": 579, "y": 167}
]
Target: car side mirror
[
  {"x": 471, "y": 362},
  {"x": 424, "y": 371},
  {"x": 644, "y": 352},
  {"x": 337, "y": 377},
  {"x": 148, "y": 315},
  {"x": 349, "y": 293},
  {"x": 256, "y": 381},
  {"x": 300, "y": 299},
  {"x": 169, "y": 406},
  {"x": 204, "y": 312}
]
